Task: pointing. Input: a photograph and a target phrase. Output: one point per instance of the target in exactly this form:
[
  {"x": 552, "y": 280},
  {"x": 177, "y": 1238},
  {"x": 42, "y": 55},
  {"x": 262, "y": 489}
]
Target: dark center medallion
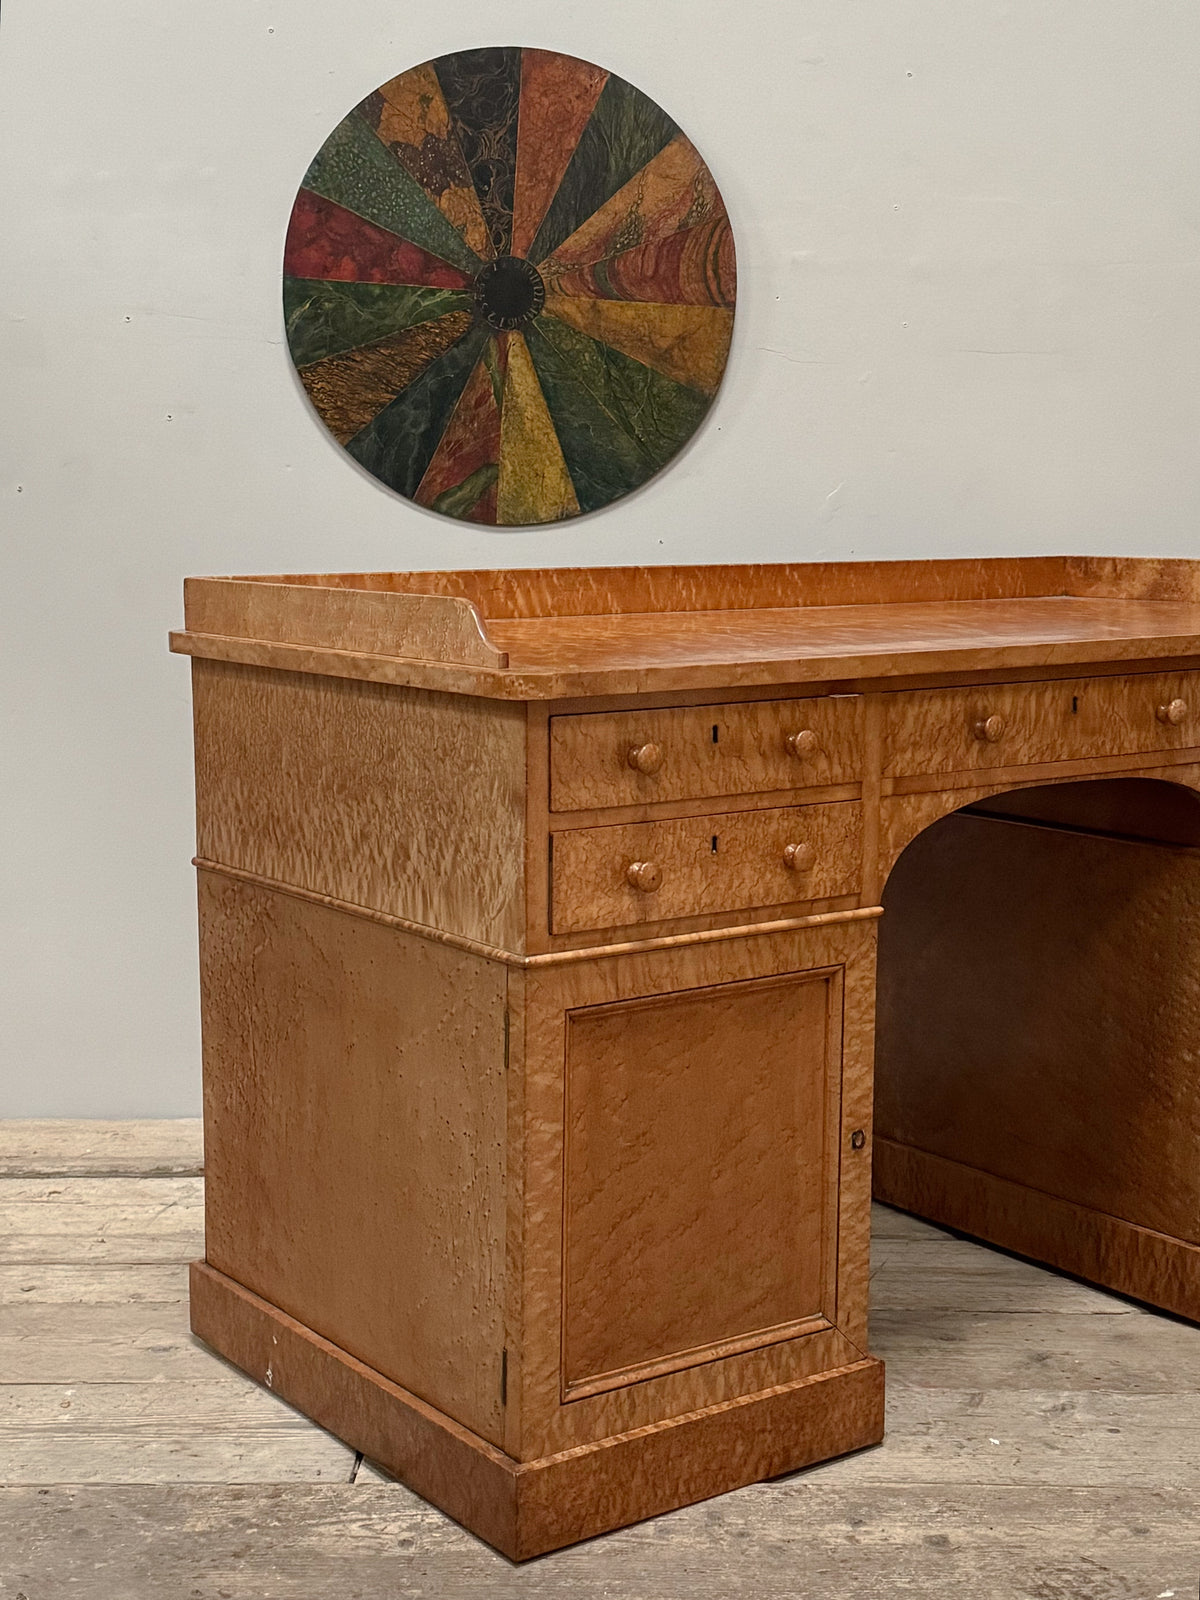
[{"x": 509, "y": 292}]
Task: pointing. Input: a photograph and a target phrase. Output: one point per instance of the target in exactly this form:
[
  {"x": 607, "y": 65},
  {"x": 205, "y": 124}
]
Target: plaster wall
[{"x": 968, "y": 322}]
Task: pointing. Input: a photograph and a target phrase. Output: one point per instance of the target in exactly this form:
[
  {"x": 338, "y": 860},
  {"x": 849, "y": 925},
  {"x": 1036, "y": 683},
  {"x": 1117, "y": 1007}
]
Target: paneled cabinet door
[
  {"x": 700, "y": 1128},
  {"x": 696, "y": 1177}
]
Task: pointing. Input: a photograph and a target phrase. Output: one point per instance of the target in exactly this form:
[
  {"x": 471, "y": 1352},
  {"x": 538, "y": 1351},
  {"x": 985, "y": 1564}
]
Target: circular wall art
[{"x": 509, "y": 286}]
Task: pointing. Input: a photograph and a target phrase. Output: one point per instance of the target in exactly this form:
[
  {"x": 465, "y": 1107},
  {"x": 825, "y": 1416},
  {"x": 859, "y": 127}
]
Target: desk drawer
[
  {"x": 652, "y": 871},
  {"x": 623, "y": 758},
  {"x": 1027, "y": 724}
]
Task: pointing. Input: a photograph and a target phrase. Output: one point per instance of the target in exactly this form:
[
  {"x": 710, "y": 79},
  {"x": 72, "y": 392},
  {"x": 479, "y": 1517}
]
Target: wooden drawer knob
[
  {"x": 989, "y": 729},
  {"x": 646, "y": 757},
  {"x": 1173, "y": 712},
  {"x": 803, "y": 744},
  {"x": 643, "y": 875},
  {"x": 798, "y": 857}
]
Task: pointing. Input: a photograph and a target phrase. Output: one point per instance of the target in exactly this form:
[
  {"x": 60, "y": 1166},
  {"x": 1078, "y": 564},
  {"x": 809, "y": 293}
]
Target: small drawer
[
  {"x": 624, "y": 758},
  {"x": 1031, "y": 724},
  {"x": 651, "y": 871}
]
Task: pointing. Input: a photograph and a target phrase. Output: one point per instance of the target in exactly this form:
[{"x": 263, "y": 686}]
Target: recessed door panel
[{"x": 700, "y": 1145}]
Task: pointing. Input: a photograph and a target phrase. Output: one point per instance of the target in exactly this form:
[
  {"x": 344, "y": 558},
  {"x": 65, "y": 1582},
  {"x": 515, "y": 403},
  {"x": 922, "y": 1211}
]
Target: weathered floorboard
[
  {"x": 130, "y": 1220},
  {"x": 64, "y": 1147},
  {"x": 77, "y": 1344},
  {"x": 1042, "y": 1435},
  {"x": 796, "y": 1540},
  {"x": 198, "y": 1431},
  {"x": 1139, "y": 1352},
  {"x": 101, "y": 1284},
  {"x": 955, "y": 1275},
  {"x": 181, "y": 1432},
  {"x": 1073, "y": 1440},
  {"x": 887, "y": 1223}
]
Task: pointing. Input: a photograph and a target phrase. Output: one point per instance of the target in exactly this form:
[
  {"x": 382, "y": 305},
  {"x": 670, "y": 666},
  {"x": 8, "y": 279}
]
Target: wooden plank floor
[{"x": 1043, "y": 1437}]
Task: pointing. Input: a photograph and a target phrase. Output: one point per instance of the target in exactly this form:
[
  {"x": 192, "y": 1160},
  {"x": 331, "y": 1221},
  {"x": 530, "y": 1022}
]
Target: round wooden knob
[
  {"x": 643, "y": 875},
  {"x": 646, "y": 757},
  {"x": 990, "y": 729},
  {"x": 802, "y": 744},
  {"x": 1173, "y": 712},
  {"x": 798, "y": 857}
]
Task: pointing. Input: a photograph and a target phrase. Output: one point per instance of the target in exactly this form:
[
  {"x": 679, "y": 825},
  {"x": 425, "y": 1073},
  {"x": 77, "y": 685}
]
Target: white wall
[{"x": 968, "y": 322}]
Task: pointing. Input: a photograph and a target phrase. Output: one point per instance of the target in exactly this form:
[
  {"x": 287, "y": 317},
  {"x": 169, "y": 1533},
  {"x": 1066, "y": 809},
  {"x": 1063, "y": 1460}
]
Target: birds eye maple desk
[{"x": 538, "y": 934}]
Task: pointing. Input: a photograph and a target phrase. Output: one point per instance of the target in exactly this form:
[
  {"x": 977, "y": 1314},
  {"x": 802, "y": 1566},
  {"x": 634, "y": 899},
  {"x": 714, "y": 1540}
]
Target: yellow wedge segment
[{"x": 535, "y": 485}]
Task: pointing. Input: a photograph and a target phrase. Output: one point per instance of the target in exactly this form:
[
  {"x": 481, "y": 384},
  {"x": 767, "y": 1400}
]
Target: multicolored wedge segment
[
  {"x": 509, "y": 286},
  {"x": 411, "y": 117},
  {"x": 460, "y": 480}
]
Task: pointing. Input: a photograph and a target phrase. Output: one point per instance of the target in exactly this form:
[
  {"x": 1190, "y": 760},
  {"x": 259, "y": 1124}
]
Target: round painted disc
[{"x": 509, "y": 285}]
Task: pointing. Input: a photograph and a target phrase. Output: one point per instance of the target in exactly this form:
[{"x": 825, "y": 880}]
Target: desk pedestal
[{"x": 538, "y": 922}]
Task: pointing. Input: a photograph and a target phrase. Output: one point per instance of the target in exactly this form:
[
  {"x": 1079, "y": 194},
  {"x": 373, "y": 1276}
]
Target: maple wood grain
[
  {"x": 635, "y": 630},
  {"x": 373, "y": 795},
  {"x": 528, "y": 1508},
  {"x": 1094, "y": 1245},
  {"x": 539, "y": 991},
  {"x": 836, "y": 957},
  {"x": 694, "y": 865},
  {"x": 355, "y": 1109},
  {"x": 1050, "y": 1041},
  {"x": 584, "y": 591},
  {"x": 436, "y": 627},
  {"x": 1024, "y": 724},
  {"x": 616, "y": 591},
  {"x": 711, "y": 1226},
  {"x": 704, "y": 750}
]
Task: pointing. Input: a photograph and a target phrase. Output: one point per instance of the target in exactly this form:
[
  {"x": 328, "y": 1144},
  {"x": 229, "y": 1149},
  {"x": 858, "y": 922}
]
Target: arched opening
[{"x": 1038, "y": 1025}]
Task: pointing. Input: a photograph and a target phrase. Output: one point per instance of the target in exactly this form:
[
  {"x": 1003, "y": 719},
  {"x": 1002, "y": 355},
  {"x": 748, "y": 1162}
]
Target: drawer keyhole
[
  {"x": 716, "y": 733},
  {"x": 1074, "y": 705},
  {"x": 714, "y": 844}
]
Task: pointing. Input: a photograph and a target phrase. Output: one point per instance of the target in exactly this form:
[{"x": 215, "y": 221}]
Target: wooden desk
[{"x": 538, "y": 931}]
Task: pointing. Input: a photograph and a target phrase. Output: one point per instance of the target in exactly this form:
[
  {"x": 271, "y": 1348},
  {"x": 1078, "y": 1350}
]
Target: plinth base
[{"x": 525, "y": 1508}]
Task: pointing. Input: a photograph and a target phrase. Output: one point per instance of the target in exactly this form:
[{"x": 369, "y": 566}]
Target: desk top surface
[{"x": 562, "y": 633}]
